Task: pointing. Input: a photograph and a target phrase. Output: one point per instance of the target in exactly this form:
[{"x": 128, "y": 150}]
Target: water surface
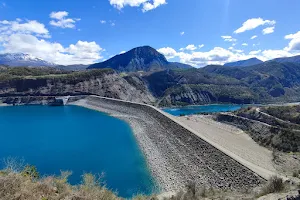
[
  {"x": 214, "y": 108},
  {"x": 77, "y": 139}
]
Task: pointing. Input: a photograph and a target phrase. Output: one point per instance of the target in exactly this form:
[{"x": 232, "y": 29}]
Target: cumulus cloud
[
  {"x": 271, "y": 54},
  {"x": 254, "y": 52},
  {"x": 102, "y": 21},
  {"x": 228, "y": 38},
  {"x": 253, "y": 37},
  {"x": 182, "y": 33},
  {"x": 244, "y": 44},
  {"x": 294, "y": 44},
  {"x": 59, "y": 19},
  {"x": 31, "y": 37},
  {"x": 168, "y": 52},
  {"x": 217, "y": 55},
  {"x": 145, "y": 4},
  {"x": 190, "y": 47},
  {"x": 253, "y": 23},
  {"x": 200, "y": 46},
  {"x": 268, "y": 30}
]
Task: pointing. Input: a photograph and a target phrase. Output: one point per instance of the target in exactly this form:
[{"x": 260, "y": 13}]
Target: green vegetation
[
  {"x": 18, "y": 73},
  {"x": 263, "y": 83},
  {"x": 287, "y": 113}
]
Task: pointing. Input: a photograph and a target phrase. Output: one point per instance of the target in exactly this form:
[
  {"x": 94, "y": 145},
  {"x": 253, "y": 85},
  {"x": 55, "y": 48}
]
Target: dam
[{"x": 175, "y": 155}]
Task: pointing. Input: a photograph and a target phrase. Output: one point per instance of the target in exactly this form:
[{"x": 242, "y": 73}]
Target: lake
[
  {"x": 190, "y": 110},
  {"x": 76, "y": 139}
]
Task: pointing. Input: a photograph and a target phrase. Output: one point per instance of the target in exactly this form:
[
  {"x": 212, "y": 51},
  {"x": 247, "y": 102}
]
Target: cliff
[{"x": 104, "y": 82}]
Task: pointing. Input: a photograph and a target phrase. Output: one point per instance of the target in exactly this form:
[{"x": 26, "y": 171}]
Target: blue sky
[{"x": 196, "y": 32}]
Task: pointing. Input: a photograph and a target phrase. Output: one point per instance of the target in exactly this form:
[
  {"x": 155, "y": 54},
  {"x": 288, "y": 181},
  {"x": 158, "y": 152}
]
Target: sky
[{"x": 195, "y": 32}]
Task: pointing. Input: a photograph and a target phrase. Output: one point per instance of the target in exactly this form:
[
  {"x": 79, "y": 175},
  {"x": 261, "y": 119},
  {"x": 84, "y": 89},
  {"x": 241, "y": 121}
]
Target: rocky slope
[{"x": 103, "y": 82}]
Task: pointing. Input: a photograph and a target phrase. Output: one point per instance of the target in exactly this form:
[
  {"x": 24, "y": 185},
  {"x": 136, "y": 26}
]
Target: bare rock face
[{"x": 108, "y": 84}]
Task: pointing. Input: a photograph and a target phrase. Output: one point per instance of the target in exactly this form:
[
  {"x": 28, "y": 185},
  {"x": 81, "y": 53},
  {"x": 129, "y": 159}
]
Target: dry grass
[
  {"x": 22, "y": 182},
  {"x": 274, "y": 185},
  {"x": 17, "y": 186}
]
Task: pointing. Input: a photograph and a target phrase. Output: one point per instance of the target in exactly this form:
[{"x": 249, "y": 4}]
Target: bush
[
  {"x": 274, "y": 185},
  {"x": 31, "y": 172}
]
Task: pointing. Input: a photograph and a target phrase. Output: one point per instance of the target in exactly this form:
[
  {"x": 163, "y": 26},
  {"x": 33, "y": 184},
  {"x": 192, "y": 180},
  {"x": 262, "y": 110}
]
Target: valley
[{"x": 232, "y": 151}]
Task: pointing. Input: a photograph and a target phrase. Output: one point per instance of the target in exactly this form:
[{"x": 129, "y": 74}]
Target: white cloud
[
  {"x": 182, "y": 33},
  {"x": 253, "y": 37},
  {"x": 268, "y": 30},
  {"x": 31, "y": 37},
  {"x": 112, "y": 24},
  {"x": 228, "y": 38},
  {"x": 200, "y": 46},
  {"x": 60, "y": 20},
  {"x": 80, "y": 53},
  {"x": 122, "y": 52},
  {"x": 168, "y": 52},
  {"x": 28, "y": 27},
  {"x": 145, "y": 4},
  {"x": 253, "y": 23},
  {"x": 216, "y": 56},
  {"x": 102, "y": 21},
  {"x": 244, "y": 44},
  {"x": 294, "y": 44},
  {"x": 271, "y": 54},
  {"x": 254, "y": 52},
  {"x": 190, "y": 47},
  {"x": 59, "y": 15}
]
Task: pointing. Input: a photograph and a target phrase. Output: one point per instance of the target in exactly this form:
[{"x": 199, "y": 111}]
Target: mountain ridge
[{"x": 244, "y": 63}]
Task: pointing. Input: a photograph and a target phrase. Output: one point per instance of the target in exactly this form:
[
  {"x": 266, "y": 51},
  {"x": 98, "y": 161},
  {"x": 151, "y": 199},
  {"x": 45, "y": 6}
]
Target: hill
[
  {"x": 143, "y": 58},
  {"x": 244, "y": 63},
  {"x": 21, "y": 59},
  {"x": 294, "y": 59},
  {"x": 23, "y": 81},
  {"x": 263, "y": 83}
]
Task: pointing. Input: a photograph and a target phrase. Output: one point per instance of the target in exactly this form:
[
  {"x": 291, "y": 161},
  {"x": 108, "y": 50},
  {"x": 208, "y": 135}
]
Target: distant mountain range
[
  {"x": 143, "y": 58},
  {"x": 244, "y": 63},
  {"x": 255, "y": 61},
  {"x": 21, "y": 60},
  {"x": 294, "y": 59}
]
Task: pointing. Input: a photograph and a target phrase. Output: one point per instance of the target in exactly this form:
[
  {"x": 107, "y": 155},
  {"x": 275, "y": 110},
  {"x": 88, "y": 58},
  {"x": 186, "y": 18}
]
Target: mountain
[
  {"x": 244, "y": 63},
  {"x": 294, "y": 59},
  {"x": 262, "y": 83},
  {"x": 21, "y": 59},
  {"x": 143, "y": 58}
]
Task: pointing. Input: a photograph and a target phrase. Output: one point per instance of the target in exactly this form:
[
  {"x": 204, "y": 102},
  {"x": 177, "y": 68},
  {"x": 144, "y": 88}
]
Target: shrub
[
  {"x": 31, "y": 172},
  {"x": 274, "y": 185}
]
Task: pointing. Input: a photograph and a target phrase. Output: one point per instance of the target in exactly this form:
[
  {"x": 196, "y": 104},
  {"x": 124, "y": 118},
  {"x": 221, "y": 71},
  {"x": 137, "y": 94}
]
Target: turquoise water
[
  {"x": 77, "y": 139},
  {"x": 190, "y": 110}
]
